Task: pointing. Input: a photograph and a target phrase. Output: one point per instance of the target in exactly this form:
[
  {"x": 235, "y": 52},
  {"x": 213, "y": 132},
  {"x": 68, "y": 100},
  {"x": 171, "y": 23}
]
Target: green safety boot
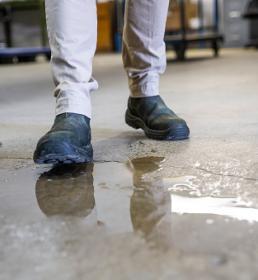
[
  {"x": 157, "y": 121},
  {"x": 68, "y": 141}
]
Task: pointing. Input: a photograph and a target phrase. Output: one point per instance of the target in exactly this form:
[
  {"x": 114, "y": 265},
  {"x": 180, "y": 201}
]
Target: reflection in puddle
[
  {"x": 66, "y": 190},
  {"x": 150, "y": 203},
  {"x": 69, "y": 191}
]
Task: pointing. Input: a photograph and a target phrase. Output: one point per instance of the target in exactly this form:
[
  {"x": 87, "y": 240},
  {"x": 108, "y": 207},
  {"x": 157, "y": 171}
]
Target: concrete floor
[{"x": 145, "y": 209}]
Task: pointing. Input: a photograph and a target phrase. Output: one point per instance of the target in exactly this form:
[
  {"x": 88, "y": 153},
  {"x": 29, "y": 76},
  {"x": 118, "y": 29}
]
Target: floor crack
[
  {"x": 227, "y": 175},
  {"x": 107, "y": 161},
  {"x": 218, "y": 174}
]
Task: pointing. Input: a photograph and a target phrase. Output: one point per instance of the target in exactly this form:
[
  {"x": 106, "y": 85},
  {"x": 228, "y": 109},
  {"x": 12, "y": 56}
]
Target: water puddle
[
  {"x": 69, "y": 190},
  {"x": 124, "y": 197}
]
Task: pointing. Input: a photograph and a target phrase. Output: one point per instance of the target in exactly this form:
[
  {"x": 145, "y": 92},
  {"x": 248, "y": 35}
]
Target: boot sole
[
  {"x": 84, "y": 157},
  {"x": 181, "y": 133}
]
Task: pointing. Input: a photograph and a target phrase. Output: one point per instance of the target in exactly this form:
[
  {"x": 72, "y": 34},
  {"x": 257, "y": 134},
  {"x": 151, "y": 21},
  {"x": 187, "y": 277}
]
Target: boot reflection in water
[
  {"x": 66, "y": 190},
  {"x": 150, "y": 203}
]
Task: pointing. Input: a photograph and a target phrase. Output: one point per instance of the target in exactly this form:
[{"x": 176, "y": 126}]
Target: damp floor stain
[{"x": 121, "y": 221}]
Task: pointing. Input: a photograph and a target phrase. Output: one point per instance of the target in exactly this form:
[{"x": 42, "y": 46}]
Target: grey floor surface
[{"x": 145, "y": 209}]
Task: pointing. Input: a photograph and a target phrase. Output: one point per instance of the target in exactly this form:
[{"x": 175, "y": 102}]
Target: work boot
[
  {"x": 153, "y": 116},
  {"x": 68, "y": 141}
]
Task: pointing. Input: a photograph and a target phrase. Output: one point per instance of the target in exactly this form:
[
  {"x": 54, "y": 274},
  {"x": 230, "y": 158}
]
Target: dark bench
[{"x": 8, "y": 53}]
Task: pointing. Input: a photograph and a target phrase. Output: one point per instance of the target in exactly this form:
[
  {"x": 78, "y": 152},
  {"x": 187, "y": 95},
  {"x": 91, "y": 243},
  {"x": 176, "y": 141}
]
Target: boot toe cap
[{"x": 55, "y": 148}]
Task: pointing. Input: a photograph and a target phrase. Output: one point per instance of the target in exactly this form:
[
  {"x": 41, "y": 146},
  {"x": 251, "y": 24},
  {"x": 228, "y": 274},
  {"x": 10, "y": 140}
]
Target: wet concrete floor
[
  {"x": 145, "y": 209},
  {"x": 126, "y": 221}
]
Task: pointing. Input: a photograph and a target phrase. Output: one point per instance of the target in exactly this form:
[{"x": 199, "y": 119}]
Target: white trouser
[{"x": 72, "y": 28}]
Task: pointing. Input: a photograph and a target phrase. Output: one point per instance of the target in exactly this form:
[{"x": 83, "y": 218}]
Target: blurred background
[{"x": 200, "y": 24}]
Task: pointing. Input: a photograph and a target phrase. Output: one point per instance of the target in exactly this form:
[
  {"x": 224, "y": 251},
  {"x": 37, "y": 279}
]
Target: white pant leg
[
  {"x": 72, "y": 29},
  {"x": 144, "y": 52}
]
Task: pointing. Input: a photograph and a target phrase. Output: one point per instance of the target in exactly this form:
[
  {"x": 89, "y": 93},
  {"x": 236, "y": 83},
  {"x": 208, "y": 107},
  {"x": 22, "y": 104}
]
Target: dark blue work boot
[
  {"x": 153, "y": 116},
  {"x": 68, "y": 141}
]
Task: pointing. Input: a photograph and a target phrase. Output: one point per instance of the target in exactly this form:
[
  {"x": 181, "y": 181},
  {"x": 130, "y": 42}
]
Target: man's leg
[
  {"x": 72, "y": 29},
  {"x": 144, "y": 56}
]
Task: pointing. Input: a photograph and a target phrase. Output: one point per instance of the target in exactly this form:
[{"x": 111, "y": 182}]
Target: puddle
[
  {"x": 187, "y": 199},
  {"x": 124, "y": 197},
  {"x": 72, "y": 212}
]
